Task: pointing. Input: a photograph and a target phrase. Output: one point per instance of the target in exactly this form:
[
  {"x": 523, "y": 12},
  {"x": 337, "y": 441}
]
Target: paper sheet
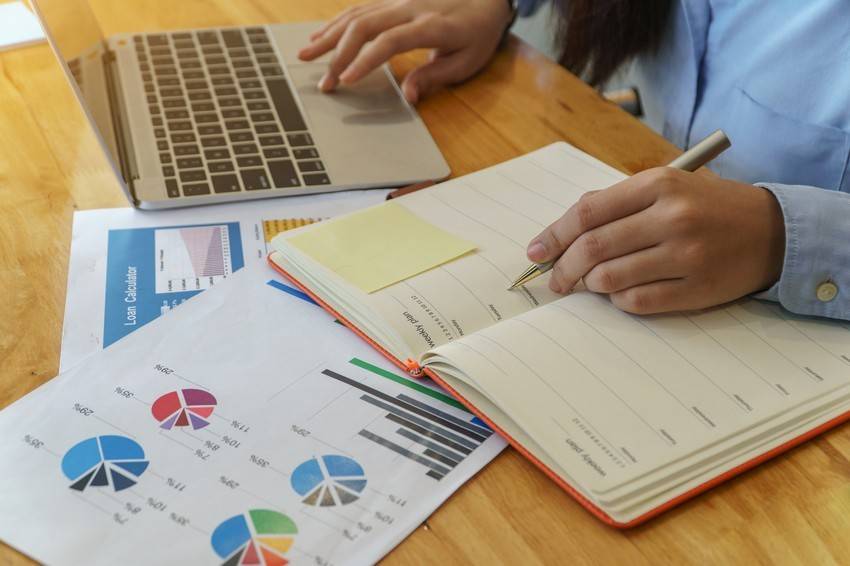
[
  {"x": 375, "y": 248},
  {"x": 18, "y": 26},
  {"x": 129, "y": 266},
  {"x": 246, "y": 422}
]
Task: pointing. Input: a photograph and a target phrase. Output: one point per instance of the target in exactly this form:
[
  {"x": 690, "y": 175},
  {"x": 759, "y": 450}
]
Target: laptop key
[
  {"x": 266, "y": 128},
  {"x": 310, "y": 166},
  {"x": 215, "y": 154},
  {"x": 225, "y": 183},
  {"x": 183, "y": 138},
  {"x": 168, "y": 171},
  {"x": 188, "y": 75},
  {"x": 224, "y": 102},
  {"x": 255, "y": 179},
  {"x": 258, "y": 105},
  {"x": 147, "y": 77},
  {"x": 149, "y": 88},
  {"x": 250, "y": 83},
  {"x": 226, "y": 91},
  {"x": 233, "y": 113},
  {"x": 180, "y": 126},
  {"x": 316, "y": 179},
  {"x": 249, "y": 161},
  {"x": 203, "y": 107},
  {"x": 275, "y": 152},
  {"x": 237, "y": 137},
  {"x": 165, "y": 71},
  {"x": 156, "y": 120},
  {"x": 233, "y": 38},
  {"x": 254, "y": 95},
  {"x": 287, "y": 108},
  {"x": 283, "y": 174},
  {"x": 174, "y": 103},
  {"x": 216, "y": 60},
  {"x": 167, "y": 81},
  {"x": 155, "y": 110},
  {"x": 176, "y": 114},
  {"x": 163, "y": 61},
  {"x": 213, "y": 142},
  {"x": 222, "y": 80},
  {"x": 219, "y": 167},
  {"x": 162, "y": 145},
  {"x": 214, "y": 71},
  {"x": 165, "y": 158},
  {"x": 182, "y": 36},
  {"x": 271, "y": 140},
  {"x": 259, "y": 40},
  {"x": 168, "y": 92},
  {"x": 189, "y": 163},
  {"x": 159, "y": 133},
  {"x": 152, "y": 99},
  {"x": 160, "y": 51},
  {"x": 238, "y": 125},
  {"x": 242, "y": 63},
  {"x": 275, "y": 71},
  {"x": 206, "y": 118},
  {"x": 246, "y": 74},
  {"x": 208, "y": 37},
  {"x": 171, "y": 188},
  {"x": 190, "y": 64},
  {"x": 306, "y": 153},
  {"x": 266, "y": 59},
  {"x": 194, "y": 175},
  {"x": 186, "y": 150},
  {"x": 258, "y": 49},
  {"x": 196, "y": 95},
  {"x": 209, "y": 130},
  {"x": 157, "y": 39},
  {"x": 196, "y": 189},
  {"x": 196, "y": 85},
  {"x": 255, "y": 31},
  {"x": 299, "y": 140},
  {"x": 245, "y": 149},
  {"x": 262, "y": 117}
]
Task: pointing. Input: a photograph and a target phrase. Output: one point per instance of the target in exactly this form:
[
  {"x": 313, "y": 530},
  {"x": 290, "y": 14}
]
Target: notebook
[{"x": 630, "y": 415}]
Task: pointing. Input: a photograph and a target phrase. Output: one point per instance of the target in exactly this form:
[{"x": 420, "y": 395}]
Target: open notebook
[{"x": 631, "y": 415}]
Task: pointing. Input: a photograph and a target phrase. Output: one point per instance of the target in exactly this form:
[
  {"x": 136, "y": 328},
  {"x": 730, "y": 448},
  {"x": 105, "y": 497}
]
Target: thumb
[{"x": 442, "y": 70}]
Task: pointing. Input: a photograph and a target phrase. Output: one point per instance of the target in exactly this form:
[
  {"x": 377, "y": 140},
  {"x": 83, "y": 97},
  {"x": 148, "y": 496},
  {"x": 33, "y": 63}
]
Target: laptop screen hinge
[{"x": 118, "y": 111}]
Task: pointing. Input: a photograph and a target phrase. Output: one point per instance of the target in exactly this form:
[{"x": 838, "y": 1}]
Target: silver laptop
[{"x": 215, "y": 115}]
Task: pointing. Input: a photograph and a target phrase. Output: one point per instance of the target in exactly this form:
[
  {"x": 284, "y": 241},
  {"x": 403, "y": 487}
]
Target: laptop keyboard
[{"x": 224, "y": 115}]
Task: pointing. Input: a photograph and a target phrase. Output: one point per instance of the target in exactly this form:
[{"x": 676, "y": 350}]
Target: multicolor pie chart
[
  {"x": 259, "y": 537},
  {"x": 184, "y": 408},
  {"x": 329, "y": 480}
]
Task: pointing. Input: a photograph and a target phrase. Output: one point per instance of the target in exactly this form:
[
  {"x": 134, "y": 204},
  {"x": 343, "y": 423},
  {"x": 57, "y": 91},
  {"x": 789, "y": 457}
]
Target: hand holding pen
[{"x": 666, "y": 239}]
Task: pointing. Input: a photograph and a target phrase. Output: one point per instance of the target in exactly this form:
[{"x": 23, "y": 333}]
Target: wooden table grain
[{"x": 793, "y": 510}]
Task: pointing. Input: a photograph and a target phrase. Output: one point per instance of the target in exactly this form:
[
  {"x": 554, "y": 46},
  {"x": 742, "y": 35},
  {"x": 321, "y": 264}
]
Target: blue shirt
[{"x": 775, "y": 75}]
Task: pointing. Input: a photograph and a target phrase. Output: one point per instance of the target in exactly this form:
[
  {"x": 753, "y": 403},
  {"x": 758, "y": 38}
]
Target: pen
[{"x": 697, "y": 156}]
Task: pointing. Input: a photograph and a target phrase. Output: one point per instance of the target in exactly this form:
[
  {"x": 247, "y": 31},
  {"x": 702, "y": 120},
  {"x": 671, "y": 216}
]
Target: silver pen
[{"x": 691, "y": 160}]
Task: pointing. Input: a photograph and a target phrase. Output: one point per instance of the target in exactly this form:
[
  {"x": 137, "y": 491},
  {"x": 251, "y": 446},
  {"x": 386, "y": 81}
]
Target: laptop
[{"x": 206, "y": 116}]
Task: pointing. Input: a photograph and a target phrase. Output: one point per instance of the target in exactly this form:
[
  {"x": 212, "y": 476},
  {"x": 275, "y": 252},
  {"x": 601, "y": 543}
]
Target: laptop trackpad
[{"x": 365, "y": 132}]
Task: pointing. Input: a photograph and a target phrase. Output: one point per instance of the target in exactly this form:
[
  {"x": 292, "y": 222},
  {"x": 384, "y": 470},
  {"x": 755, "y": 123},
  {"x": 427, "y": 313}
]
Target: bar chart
[{"x": 422, "y": 432}]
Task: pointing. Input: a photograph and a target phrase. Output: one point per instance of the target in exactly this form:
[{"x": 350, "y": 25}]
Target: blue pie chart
[
  {"x": 104, "y": 461},
  {"x": 329, "y": 480}
]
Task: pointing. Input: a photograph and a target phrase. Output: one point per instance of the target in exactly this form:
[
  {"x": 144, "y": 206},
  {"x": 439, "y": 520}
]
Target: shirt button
[{"x": 827, "y": 291}]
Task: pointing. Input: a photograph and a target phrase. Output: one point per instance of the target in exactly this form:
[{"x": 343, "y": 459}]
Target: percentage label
[
  {"x": 126, "y": 393},
  {"x": 231, "y": 483},
  {"x": 33, "y": 441},
  {"x": 232, "y": 442},
  {"x": 163, "y": 369},
  {"x": 240, "y": 426},
  {"x": 401, "y": 502},
  {"x": 157, "y": 504},
  {"x": 261, "y": 462},
  {"x": 132, "y": 509},
  {"x": 202, "y": 455},
  {"x": 179, "y": 519},
  {"x": 211, "y": 445},
  {"x": 83, "y": 410},
  {"x": 174, "y": 484}
]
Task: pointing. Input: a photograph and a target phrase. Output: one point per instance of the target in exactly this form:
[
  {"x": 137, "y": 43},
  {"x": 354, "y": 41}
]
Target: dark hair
[{"x": 597, "y": 36}]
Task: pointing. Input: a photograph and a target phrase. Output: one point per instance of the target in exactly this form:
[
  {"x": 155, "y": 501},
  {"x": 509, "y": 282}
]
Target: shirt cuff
[{"x": 815, "y": 276}]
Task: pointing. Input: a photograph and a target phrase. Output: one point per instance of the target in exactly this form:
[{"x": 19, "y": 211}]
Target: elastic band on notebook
[{"x": 413, "y": 367}]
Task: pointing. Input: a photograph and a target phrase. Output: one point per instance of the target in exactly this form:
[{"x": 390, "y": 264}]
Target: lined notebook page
[
  {"x": 615, "y": 397},
  {"x": 499, "y": 209}
]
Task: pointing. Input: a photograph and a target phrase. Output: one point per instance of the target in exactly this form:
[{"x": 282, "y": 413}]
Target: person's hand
[
  {"x": 462, "y": 33},
  {"x": 665, "y": 240}
]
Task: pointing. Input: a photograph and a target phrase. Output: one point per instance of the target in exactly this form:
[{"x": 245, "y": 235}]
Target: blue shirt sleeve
[{"x": 817, "y": 251}]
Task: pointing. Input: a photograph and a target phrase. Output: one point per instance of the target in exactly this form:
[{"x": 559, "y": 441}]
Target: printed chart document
[
  {"x": 629, "y": 414},
  {"x": 247, "y": 427},
  {"x": 129, "y": 266}
]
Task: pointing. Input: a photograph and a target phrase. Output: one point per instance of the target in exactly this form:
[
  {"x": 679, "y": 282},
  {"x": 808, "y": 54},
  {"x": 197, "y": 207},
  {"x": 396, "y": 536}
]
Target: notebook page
[
  {"x": 499, "y": 210},
  {"x": 614, "y": 397}
]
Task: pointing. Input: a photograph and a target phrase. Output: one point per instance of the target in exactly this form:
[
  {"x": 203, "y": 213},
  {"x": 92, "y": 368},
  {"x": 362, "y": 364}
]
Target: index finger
[{"x": 591, "y": 211}]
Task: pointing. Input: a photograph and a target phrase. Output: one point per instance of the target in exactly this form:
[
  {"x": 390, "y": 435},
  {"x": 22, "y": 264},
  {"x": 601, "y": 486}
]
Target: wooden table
[{"x": 792, "y": 510}]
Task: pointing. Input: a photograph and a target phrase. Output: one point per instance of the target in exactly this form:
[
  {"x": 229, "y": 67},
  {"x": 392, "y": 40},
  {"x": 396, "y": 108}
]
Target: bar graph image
[
  {"x": 191, "y": 258},
  {"x": 422, "y": 432}
]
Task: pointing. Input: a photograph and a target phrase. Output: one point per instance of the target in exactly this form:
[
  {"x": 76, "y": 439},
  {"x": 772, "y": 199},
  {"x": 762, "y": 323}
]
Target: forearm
[{"x": 815, "y": 276}]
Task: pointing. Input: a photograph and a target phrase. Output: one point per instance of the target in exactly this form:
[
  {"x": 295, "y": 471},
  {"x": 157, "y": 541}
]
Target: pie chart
[
  {"x": 102, "y": 461},
  {"x": 329, "y": 480},
  {"x": 259, "y": 537},
  {"x": 186, "y": 407}
]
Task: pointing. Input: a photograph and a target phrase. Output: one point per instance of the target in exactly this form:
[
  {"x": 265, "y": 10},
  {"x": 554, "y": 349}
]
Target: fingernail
[
  {"x": 536, "y": 251},
  {"x": 327, "y": 83}
]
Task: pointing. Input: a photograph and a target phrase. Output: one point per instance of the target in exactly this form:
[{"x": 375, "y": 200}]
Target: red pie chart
[{"x": 184, "y": 408}]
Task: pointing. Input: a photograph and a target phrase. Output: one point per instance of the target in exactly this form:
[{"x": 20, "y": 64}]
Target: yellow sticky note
[{"x": 380, "y": 246}]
